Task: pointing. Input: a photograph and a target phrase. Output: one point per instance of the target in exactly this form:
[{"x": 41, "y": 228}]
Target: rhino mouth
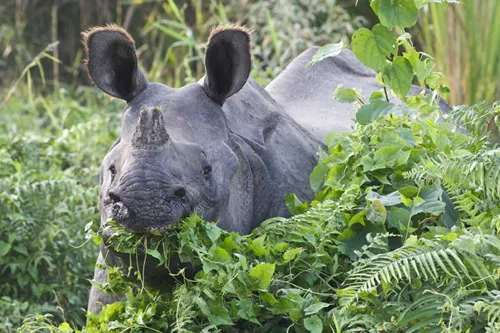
[{"x": 149, "y": 219}]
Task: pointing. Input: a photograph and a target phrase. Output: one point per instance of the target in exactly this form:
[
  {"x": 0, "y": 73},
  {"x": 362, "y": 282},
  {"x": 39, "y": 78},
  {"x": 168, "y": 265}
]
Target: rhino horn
[{"x": 150, "y": 132}]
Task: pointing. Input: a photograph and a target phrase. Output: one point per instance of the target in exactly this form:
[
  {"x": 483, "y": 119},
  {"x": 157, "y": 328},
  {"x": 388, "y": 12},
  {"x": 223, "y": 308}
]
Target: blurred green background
[{"x": 56, "y": 127}]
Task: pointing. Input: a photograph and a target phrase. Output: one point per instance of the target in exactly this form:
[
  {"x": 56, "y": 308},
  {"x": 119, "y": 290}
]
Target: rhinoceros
[{"x": 224, "y": 146}]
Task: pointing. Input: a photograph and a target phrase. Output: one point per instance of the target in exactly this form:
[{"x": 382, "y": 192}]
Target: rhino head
[{"x": 174, "y": 154}]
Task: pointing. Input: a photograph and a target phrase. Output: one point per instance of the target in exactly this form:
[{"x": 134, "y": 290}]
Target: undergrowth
[{"x": 48, "y": 193}]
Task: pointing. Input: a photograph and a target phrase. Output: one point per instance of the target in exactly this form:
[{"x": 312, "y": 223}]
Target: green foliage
[
  {"x": 48, "y": 192},
  {"x": 170, "y": 35}
]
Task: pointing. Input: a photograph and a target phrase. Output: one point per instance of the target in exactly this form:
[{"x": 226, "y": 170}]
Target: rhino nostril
[
  {"x": 114, "y": 197},
  {"x": 118, "y": 205},
  {"x": 180, "y": 192}
]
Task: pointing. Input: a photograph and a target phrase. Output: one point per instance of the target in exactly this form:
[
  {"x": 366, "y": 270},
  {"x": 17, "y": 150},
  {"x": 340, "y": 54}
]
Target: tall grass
[{"x": 465, "y": 42}]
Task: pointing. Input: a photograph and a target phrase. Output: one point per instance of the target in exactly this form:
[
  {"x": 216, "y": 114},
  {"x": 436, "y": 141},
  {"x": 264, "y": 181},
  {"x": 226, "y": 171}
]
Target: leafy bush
[{"x": 48, "y": 192}]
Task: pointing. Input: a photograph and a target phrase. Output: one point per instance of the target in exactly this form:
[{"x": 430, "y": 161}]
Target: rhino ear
[
  {"x": 112, "y": 62},
  {"x": 227, "y": 61}
]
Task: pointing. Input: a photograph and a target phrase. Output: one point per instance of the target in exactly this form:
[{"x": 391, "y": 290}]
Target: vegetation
[
  {"x": 457, "y": 42},
  {"x": 50, "y": 154},
  {"x": 403, "y": 235}
]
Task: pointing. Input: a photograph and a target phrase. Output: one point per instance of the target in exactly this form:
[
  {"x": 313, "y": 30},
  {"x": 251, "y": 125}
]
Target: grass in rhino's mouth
[
  {"x": 186, "y": 244},
  {"x": 159, "y": 245}
]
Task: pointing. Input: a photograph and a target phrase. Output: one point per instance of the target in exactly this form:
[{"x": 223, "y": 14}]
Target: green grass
[{"x": 463, "y": 40}]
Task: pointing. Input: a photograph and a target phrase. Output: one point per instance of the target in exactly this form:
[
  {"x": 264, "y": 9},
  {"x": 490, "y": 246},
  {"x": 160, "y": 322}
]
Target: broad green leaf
[
  {"x": 294, "y": 205},
  {"x": 398, "y": 75},
  {"x": 346, "y": 95},
  {"x": 376, "y": 109},
  {"x": 313, "y": 324},
  {"x": 391, "y": 199},
  {"x": 451, "y": 214},
  {"x": 354, "y": 237},
  {"x": 112, "y": 311},
  {"x": 315, "y": 308},
  {"x": 433, "y": 79},
  {"x": 246, "y": 310},
  {"x": 396, "y": 13},
  {"x": 358, "y": 218},
  {"x": 431, "y": 202},
  {"x": 406, "y": 201},
  {"x": 409, "y": 191},
  {"x": 373, "y": 47},
  {"x": 281, "y": 246},
  {"x": 376, "y": 212},
  {"x": 289, "y": 255},
  {"x": 263, "y": 273},
  {"x": 317, "y": 176},
  {"x": 332, "y": 139},
  {"x": 257, "y": 246},
  {"x": 218, "y": 313},
  {"x": 407, "y": 135},
  {"x": 222, "y": 254},
  {"x": 155, "y": 254},
  {"x": 242, "y": 260},
  {"x": 424, "y": 69},
  {"x": 377, "y": 96},
  {"x": 268, "y": 298},
  {"x": 4, "y": 248},
  {"x": 387, "y": 157},
  {"x": 329, "y": 50},
  {"x": 398, "y": 218},
  {"x": 213, "y": 231}
]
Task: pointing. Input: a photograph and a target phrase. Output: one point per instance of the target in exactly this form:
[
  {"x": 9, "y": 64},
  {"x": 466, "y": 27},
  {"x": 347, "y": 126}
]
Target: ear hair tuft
[
  {"x": 221, "y": 28},
  {"x": 87, "y": 34}
]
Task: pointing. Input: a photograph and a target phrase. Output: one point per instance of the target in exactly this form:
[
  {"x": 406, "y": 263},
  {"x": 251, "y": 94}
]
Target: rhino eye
[
  {"x": 206, "y": 170},
  {"x": 112, "y": 169}
]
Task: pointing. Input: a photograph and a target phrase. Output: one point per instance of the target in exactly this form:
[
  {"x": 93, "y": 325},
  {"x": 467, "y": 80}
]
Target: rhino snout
[{"x": 148, "y": 210}]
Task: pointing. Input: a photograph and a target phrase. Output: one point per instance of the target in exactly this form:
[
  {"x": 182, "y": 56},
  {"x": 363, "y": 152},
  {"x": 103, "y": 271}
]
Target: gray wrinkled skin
[{"x": 232, "y": 153}]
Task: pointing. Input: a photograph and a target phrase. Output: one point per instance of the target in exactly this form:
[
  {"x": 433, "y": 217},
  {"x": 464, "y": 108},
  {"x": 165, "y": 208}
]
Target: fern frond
[
  {"x": 476, "y": 118},
  {"x": 490, "y": 306},
  {"x": 425, "y": 311},
  {"x": 471, "y": 180},
  {"x": 429, "y": 263}
]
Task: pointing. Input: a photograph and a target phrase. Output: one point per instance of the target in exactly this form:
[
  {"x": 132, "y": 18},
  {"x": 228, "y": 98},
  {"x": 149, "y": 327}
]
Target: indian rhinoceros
[{"x": 224, "y": 146}]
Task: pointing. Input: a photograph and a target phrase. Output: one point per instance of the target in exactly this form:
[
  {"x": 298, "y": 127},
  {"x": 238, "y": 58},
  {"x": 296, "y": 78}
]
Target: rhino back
[{"x": 307, "y": 92}]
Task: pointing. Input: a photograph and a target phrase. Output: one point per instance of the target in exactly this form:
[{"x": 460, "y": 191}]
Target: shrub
[{"x": 48, "y": 193}]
